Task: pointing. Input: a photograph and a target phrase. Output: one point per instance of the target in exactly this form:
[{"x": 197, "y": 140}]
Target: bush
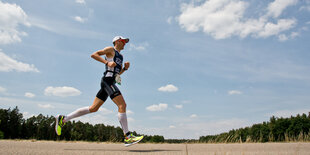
[{"x": 1, "y": 135}]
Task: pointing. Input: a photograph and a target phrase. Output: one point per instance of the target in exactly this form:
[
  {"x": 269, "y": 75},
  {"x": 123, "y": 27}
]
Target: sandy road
[{"x": 8, "y": 147}]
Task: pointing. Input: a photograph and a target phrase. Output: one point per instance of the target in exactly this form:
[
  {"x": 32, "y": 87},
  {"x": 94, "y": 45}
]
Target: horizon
[{"x": 198, "y": 67}]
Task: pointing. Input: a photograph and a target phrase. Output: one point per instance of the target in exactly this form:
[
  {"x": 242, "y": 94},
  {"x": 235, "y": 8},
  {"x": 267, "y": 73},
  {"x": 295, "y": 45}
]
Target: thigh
[
  {"x": 96, "y": 104},
  {"x": 102, "y": 94}
]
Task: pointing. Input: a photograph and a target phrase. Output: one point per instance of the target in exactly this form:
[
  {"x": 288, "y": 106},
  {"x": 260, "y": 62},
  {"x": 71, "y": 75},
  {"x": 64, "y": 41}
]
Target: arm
[
  {"x": 108, "y": 51},
  {"x": 127, "y": 64}
]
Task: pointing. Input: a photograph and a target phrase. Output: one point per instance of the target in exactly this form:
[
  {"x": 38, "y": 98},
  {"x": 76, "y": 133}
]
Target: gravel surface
[{"x": 33, "y": 147}]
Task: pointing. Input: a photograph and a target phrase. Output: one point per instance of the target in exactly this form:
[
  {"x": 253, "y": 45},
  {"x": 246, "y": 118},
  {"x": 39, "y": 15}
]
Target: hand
[
  {"x": 111, "y": 64},
  {"x": 127, "y": 64}
]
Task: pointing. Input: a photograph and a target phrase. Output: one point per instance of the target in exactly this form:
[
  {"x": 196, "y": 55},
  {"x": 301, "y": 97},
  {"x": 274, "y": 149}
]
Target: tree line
[
  {"x": 14, "y": 126},
  {"x": 40, "y": 127},
  {"x": 295, "y": 128}
]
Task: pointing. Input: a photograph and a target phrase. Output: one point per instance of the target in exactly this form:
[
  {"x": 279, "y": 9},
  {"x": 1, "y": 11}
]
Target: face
[{"x": 121, "y": 43}]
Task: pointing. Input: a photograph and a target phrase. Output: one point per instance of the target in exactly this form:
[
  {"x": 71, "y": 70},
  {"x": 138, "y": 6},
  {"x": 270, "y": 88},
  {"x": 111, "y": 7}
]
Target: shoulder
[{"x": 109, "y": 51}]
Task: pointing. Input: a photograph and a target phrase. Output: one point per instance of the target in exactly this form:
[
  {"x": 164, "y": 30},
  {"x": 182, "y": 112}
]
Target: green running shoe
[
  {"x": 132, "y": 140},
  {"x": 59, "y": 124}
]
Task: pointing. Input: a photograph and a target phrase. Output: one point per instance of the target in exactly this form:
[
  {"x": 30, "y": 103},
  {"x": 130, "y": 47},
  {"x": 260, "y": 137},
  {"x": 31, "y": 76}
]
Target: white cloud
[
  {"x": 105, "y": 111},
  {"x": 46, "y": 106},
  {"x": 2, "y": 90},
  {"x": 270, "y": 29},
  {"x": 172, "y": 127},
  {"x": 27, "y": 115},
  {"x": 234, "y": 92},
  {"x": 11, "y": 15},
  {"x": 225, "y": 18},
  {"x": 168, "y": 88},
  {"x": 139, "y": 47},
  {"x": 276, "y": 8},
  {"x": 80, "y": 1},
  {"x": 8, "y": 64},
  {"x": 29, "y": 95},
  {"x": 159, "y": 107},
  {"x": 193, "y": 116},
  {"x": 283, "y": 37},
  {"x": 79, "y": 19},
  {"x": 179, "y": 106},
  {"x": 129, "y": 112},
  {"x": 294, "y": 34},
  {"x": 169, "y": 20},
  {"x": 61, "y": 91}
]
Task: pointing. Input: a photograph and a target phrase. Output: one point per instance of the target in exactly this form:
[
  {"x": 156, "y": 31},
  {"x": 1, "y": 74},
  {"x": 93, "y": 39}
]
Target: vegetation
[
  {"x": 14, "y": 126},
  {"x": 276, "y": 130}
]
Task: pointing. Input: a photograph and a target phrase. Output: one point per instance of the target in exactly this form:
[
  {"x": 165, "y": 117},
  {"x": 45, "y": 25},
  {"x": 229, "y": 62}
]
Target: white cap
[{"x": 120, "y": 37}]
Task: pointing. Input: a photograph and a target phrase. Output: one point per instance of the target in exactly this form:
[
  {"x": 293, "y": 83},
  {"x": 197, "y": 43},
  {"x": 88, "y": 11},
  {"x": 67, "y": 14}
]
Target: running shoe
[
  {"x": 59, "y": 124},
  {"x": 132, "y": 140}
]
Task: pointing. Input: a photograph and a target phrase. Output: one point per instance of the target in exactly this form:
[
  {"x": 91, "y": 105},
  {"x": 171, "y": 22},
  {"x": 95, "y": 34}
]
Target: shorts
[{"x": 108, "y": 88}]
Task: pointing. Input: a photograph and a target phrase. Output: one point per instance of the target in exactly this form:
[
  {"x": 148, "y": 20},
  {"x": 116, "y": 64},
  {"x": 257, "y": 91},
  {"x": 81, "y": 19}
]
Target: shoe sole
[
  {"x": 126, "y": 145},
  {"x": 56, "y": 125}
]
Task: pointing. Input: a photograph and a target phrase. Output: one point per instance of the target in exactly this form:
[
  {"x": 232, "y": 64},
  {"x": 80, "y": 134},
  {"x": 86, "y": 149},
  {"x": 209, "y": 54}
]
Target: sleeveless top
[{"x": 112, "y": 71}]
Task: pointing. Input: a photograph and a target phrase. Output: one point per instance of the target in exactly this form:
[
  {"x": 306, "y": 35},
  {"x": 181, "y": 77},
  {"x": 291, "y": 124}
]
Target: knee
[
  {"x": 93, "y": 109},
  {"x": 122, "y": 106}
]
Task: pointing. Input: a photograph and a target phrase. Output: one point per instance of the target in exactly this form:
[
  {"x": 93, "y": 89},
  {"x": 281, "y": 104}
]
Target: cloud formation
[
  {"x": 80, "y": 1},
  {"x": 11, "y": 16},
  {"x": 139, "y": 47},
  {"x": 2, "y": 90},
  {"x": 193, "y": 116},
  {"x": 46, "y": 106},
  {"x": 168, "y": 88},
  {"x": 8, "y": 64},
  {"x": 276, "y": 8},
  {"x": 225, "y": 18},
  {"x": 61, "y": 91},
  {"x": 234, "y": 92},
  {"x": 79, "y": 19},
  {"x": 159, "y": 107},
  {"x": 179, "y": 106},
  {"x": 29, "y": 95}
]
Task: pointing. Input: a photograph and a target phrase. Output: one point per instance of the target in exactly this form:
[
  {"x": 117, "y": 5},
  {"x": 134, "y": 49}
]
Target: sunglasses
[{"x": 124, "y": 41}]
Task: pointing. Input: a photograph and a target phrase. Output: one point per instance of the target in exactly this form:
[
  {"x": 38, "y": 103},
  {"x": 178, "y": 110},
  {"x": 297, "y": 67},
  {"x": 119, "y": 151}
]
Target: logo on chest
[{"x": 118, "y": 61}]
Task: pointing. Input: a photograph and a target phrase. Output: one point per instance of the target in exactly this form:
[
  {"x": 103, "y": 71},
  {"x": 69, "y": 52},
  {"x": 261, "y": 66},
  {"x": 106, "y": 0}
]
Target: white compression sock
[
  {"x": 77, "y": 113},
  {"x": 122, "y": 117}
]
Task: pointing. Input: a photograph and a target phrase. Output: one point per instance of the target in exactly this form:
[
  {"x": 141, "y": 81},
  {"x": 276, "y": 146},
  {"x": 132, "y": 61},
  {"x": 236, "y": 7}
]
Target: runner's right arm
[{"x": 108, "y": 51}]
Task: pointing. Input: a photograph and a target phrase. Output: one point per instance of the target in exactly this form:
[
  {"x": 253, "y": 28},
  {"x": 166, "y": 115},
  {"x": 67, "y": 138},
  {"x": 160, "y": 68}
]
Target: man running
[{"x": 114, "y": 68}]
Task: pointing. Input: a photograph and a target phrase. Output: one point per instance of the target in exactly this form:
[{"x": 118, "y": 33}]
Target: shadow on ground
[{"x": 151, "y": 150}]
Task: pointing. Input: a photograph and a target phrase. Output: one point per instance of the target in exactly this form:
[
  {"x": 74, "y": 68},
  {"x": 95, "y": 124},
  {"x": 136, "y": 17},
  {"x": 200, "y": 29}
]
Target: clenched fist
[{"x": 127, "y": 64}]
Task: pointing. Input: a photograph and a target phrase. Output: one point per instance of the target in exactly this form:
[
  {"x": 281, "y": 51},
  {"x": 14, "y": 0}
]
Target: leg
[
  {"x": 96, "y": 105},
  {"x": 122, "y": 117},
  {"x": 120, "y": 102},
  {"x": 85, "y": 110},
  {"x": 118, "y": 99}
]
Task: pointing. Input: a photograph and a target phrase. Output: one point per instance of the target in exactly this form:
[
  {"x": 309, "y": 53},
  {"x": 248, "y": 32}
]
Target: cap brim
[{"x": 126, "y": 39}]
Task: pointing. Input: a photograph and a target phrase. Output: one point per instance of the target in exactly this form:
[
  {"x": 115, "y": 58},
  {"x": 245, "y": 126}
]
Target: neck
[{"x": 117, "y": 48}]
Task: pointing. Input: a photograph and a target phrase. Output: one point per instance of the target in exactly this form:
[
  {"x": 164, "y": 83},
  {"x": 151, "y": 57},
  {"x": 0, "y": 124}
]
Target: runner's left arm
[{"x": 127, "y": 65}]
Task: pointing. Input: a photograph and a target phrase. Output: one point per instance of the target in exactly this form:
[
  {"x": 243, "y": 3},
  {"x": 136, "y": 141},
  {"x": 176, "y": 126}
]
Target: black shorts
[{"x": 108, "y": 88}]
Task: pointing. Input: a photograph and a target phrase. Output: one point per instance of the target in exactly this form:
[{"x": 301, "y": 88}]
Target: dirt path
[{"x": 61, "y": 147}]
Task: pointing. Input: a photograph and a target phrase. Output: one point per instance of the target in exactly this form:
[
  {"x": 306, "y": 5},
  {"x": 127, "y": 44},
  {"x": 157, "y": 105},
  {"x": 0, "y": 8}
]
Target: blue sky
[{"x": 197, "y": 67}]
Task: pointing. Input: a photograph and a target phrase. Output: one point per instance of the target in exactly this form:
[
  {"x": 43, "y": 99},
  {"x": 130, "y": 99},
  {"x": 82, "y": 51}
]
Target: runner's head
[{"x": 120, "y": 41}]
